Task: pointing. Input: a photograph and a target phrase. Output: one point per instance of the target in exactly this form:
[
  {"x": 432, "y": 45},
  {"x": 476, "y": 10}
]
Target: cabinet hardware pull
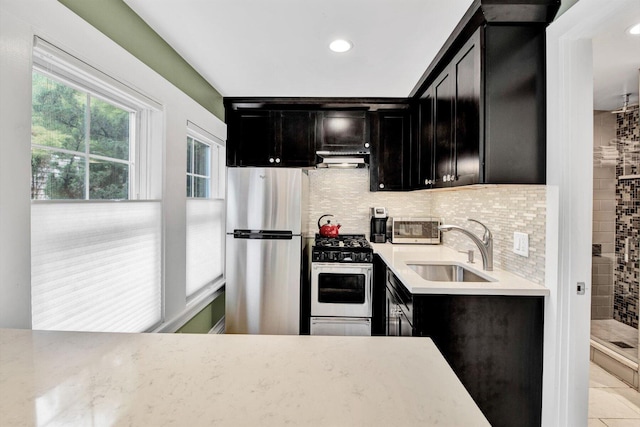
[
  {"x": 381, "y": 185},
  {"x": 366, "y": 145},
  {"x": 277, "y": 159},
  {"x": 271, "y": 160}
]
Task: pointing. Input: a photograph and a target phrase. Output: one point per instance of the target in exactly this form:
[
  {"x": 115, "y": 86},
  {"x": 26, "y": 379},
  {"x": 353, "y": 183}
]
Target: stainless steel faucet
[{"x": 485, "y": 245}]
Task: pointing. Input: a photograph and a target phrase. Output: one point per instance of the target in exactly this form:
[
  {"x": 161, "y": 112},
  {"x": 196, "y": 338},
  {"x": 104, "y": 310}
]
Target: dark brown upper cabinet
[
  {"x": 422, "y": 159},
  {"x": 290, "y": 131},
  {"x": 390, "y": 151},
  {"x": 466, "y": 114},
  {"x": 295, "y": 138},
  {"x": 271, "y": 138},
  {"x": 483, "y": 115},
  {"x": 449, "y": 113},
  {"x": 343, "y": 132},
  {"x": 514, "y": 105},
  {"x": 251, "y": 138},
  {"x": 443, "y": 142},
  {"x": 482, "y": 100}
]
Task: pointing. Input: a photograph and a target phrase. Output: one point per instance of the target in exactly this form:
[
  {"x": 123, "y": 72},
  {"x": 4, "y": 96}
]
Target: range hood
[{"x": 342, "y": 159}]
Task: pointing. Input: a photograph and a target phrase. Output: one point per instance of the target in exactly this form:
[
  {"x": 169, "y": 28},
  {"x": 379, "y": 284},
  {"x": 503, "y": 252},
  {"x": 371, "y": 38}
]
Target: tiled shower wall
[
  {"x": 625, "y": 307},
  {"x": 604, "y": 219},
  {"x": 504, "y": 209}
]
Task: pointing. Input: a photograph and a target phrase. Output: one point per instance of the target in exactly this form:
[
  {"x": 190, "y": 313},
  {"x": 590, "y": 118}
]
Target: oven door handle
[{"x": 346, "y": 268}]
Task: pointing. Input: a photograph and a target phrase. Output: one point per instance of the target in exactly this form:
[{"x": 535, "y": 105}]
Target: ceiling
[
  {"x": 280, "y": 47},
  {"x": 616, "y": 63}
]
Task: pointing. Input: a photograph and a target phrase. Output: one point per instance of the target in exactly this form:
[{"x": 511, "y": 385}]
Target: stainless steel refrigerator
[{"x": 264, "y": 245}]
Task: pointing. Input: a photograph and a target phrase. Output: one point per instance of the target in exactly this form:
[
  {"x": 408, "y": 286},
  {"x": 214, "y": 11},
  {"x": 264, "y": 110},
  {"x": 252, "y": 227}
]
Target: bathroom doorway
[{"x": 616, "y": 240}]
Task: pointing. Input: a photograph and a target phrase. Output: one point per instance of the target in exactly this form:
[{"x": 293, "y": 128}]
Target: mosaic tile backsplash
[
  {"x": 627, "y": 274},
  {"x": 504, "y": 209}
]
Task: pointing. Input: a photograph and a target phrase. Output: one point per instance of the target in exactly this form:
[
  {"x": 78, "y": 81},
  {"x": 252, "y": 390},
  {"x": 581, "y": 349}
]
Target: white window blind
[
  {"x": 205, "y": 242},
  {"x": 96, "y": 266},
  {"x": 205, "y": 211}
]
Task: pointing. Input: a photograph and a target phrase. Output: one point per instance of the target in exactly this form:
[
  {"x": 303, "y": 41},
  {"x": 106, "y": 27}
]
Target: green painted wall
[
  {"x": 206, "y": 319},
  {"x": 121, "y": 24}
]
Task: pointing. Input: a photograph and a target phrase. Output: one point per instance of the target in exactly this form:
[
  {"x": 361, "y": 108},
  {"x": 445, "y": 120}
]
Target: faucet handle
[{"x": 487, "y": 234}]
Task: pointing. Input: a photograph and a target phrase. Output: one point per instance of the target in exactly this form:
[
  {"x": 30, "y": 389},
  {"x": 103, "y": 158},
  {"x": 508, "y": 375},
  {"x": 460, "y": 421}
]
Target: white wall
[
  {"x": 48, "y": 19},
  {"x": 604, "y": 184},
  {"x": 569, "y": 206}
]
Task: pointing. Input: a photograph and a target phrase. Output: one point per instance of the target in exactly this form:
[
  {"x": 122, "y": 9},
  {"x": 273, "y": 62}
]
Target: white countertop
[
  {"x": 503, "y": 283},
  {"x": 74, "y": 378}
]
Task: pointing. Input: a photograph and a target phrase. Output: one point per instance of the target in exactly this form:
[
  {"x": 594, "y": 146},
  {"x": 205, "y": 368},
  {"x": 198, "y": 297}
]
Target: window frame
[
  {"x": 63, "y": 68},
  {"x": 191, "y": 153},
  {"x": 216, "y": 169}
]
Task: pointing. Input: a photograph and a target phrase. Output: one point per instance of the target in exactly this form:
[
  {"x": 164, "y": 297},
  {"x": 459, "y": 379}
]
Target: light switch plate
[{"x": 521, "y": 244}]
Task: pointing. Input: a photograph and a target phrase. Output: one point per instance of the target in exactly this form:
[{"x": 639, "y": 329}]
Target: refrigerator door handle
[{"x": 263, "y": 234}]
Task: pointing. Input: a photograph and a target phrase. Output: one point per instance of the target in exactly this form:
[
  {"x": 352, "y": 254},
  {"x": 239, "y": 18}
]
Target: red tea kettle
[{"x": 328, "y": 229}]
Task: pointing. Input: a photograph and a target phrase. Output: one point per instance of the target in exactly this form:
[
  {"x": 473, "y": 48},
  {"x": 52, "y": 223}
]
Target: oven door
[{"x": 341, "y": 289}]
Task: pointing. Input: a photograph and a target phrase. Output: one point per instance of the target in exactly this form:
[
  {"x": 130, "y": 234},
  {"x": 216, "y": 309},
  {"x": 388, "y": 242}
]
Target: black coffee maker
[{"x": 379, "y": 218}]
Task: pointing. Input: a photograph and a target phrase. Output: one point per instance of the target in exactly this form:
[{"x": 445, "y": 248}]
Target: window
[
  {"x": 81, "y": 144},
  {"x": 205, "y": 211},
  {"x": 96, "y": 265},
  {"x": 198, "y": 168}
]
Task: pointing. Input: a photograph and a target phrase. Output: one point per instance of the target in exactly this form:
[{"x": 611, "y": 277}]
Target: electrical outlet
[{"x": 521, "y": 244}]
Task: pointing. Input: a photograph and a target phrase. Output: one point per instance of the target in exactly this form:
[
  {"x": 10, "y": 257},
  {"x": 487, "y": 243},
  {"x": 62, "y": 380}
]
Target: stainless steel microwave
[{"x": 416, "y": 230}]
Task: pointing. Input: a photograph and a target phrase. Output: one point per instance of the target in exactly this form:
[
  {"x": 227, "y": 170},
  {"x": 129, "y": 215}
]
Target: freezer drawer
[
  {"x": 342, "y": 326},
  {"x": 263, "y": 286}
]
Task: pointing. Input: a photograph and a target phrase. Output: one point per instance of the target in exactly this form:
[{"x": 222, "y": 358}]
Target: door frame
[{"x": 569, "y": 207}]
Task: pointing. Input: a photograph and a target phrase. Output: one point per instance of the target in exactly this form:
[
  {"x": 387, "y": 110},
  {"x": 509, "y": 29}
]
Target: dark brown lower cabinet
[{"x": 493, "y": 344}]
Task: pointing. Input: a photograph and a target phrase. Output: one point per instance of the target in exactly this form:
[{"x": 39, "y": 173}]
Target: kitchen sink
[{"x": 446, "y": 273}]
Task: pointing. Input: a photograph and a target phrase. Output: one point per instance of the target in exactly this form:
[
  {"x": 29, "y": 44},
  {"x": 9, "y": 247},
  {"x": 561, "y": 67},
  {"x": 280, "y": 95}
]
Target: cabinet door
[
  {"x": 398, "y": 324},
  {"x": 295, "y": 138},
  {"x": 443, "y": 93},
  {"x": 425, "y": 141},
  {"x": 343, "y": 131},
  {"x": 405, "y": 329},
  {"x": 494, "y": 345},
  {"x": 467, "y": 128},
  {"x": 251, "y": 138},
  {"x": 390, "y": 160},
  {"x": 393, "y": 320}
]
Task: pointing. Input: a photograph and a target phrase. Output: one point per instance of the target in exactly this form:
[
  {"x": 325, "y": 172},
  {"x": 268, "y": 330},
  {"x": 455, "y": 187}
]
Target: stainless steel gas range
[{"x": 341, "y": 285}]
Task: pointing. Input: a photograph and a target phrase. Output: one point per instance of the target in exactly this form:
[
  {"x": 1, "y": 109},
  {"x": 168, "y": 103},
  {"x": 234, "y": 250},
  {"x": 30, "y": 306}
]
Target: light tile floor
[{"x": 612, "y": 403}]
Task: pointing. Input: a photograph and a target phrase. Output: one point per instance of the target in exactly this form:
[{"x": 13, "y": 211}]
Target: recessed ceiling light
[
  {"x": 340, "y": 45},
  {"x": 634, "y": 30}
]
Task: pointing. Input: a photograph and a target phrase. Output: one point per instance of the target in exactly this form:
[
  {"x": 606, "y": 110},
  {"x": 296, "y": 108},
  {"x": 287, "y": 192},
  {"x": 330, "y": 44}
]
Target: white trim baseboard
[{"x": 218, "y": 328}]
